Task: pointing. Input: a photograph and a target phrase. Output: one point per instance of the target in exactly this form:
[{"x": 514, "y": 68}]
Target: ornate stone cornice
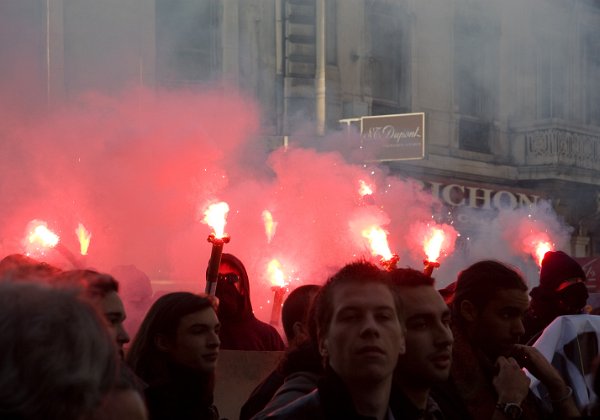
[{"x": 561, "y": 146}]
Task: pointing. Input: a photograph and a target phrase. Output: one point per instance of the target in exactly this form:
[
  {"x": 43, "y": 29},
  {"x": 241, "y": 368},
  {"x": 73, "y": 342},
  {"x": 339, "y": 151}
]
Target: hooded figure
[
  {"x": 240, "y": 329},
  {"x": 562, "y": 291}
]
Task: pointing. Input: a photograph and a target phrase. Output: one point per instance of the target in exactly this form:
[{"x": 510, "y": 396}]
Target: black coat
[{"x": 186, "y": 395}]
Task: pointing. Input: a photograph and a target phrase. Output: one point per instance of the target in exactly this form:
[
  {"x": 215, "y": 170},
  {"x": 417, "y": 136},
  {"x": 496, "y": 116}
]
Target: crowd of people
[{"x": 367, "y": 343}]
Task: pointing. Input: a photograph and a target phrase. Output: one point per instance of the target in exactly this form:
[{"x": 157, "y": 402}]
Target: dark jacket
[
  {"x": 303, "y": 359},
  {"x": 261, "y": 395},
  {"x": 185, "y": 396},
  {"x": 296, "y": 385},
  {"x": 404, "y": 409},
  {"x": 330, "y": 401},
  {"x": 240, "y": 329}
]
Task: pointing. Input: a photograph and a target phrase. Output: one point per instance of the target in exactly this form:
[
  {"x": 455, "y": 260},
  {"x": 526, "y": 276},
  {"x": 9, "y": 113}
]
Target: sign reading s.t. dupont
[{"x": 394, "y": 137}]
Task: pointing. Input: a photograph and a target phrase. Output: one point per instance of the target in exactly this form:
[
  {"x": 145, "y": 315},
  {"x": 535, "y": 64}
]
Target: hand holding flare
[
  {"x": 278, "y": 286},
  {"x": 215, "y": 216},
  {"x": 437, "y": 240},
  {"x": 432, "y": 245}
]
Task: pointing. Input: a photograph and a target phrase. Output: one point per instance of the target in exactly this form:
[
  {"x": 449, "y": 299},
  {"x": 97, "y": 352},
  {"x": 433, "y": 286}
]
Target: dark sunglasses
[{"x": 230, "y": 278}]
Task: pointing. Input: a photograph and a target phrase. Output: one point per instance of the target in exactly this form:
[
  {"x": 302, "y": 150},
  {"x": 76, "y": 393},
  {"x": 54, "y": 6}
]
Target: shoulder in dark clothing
[
  {"x": 404, "y": 409},
  {"x": 261, "y": 395},
  {"x": 167, "y": 402},
  {"x": 450, "y": 402}
]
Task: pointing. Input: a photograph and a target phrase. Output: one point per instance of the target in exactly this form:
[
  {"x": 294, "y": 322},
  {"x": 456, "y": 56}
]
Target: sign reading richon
[{"x": 395, "y": 137}]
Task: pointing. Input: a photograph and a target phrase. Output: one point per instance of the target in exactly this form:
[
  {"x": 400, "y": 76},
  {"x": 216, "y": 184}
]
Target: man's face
[
  {"x": 114, "y": 312},
  {"x": 499, "y": 325},
  {"x": 428, "y": 337},
  {"x": 196, "y": 343},
  {"x": 365, "y": 336}
]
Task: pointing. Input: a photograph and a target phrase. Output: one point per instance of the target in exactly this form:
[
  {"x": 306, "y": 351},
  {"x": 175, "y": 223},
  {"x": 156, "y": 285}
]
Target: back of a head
[
  {"x": 361, "y": 272},
  {"x": 94, "y": 283},
  {"x": 135, "y": 285},
  {"x": 19, "y": 267},
  {"x": 56, "y": 357},
  {"x": 562, "y": 289},
  {"x": 146, "y": 360},
  {"x": 448, "y": 292},
  {"x": 480, "y": 282},
  {"x": 295, "y": 308},
  {"x": 557, "y": 269}
]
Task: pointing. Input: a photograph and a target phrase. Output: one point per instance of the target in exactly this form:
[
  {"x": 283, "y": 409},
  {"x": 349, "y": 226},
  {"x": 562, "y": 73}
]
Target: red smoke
[{"x": 137, "y": 170}]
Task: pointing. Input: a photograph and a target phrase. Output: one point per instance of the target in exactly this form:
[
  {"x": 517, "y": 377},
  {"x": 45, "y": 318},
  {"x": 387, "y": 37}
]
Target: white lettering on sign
[
  {"x": 457, "y": 195},
  {"x": 393, "y": 133}
]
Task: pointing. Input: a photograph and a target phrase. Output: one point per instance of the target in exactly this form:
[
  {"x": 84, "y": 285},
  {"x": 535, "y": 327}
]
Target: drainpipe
[
  {"x": 279, "y": 70},
  {"x": 320, "y": 67}
]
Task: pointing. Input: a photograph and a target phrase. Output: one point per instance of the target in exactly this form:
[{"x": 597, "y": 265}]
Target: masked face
[{"x": 229, "y": 292}]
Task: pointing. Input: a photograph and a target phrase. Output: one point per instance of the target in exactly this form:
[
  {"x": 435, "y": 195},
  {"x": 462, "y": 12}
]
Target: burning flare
[
  {"x": 39, "y": 237},
  {"x": 84, "y": 237},
  {"x": 538, "y": 248},
  {"x": 364, "y": 188},
  {"x": 215, "y": 217},
  {"x": 270, "y": 225},
  {"x": 278, "y": 285},
  {"x": 275, "y": 273},
  {"x": 536, "y": 243},
  {"x": 432, "y": 239},
  {"x": 541, "y": 250},
  {"x": 432, "y": 244},
  {"x": 377, "y": 238}
]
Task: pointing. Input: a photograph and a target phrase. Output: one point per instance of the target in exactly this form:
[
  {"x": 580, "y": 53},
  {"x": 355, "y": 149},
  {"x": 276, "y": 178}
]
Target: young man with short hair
[
  {"x": 360, "y": 337},
  {"x": 428, "y": 345},
  {"x": 102, "y": 290}
]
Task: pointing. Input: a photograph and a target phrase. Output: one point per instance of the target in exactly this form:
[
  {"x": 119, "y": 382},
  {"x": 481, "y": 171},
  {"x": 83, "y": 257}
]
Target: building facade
[{"x": 510, "y": 89}]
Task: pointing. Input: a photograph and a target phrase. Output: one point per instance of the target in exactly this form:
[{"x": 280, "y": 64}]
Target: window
[
  {"x": 591, "y": 47},
  {"x": 331, "y": 31},
  {"x": 476, "y": 63},
  {"x": 187, "y": 41},
  {"x": 389, "y": 59},
  {"x": 552, "y": 70}
]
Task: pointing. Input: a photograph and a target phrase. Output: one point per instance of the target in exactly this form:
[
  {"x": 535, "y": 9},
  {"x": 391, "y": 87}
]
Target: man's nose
[
  {"x": 122, "y": 336},
  {"x": 517, "y": 327},
  {"x": 369, "y": 326},
  {"x": 443, "y": 335},
  {"x": 214, "y": 340}
]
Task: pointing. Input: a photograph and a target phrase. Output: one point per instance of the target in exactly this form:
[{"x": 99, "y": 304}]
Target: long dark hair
[{"x": 144, "y": 357}]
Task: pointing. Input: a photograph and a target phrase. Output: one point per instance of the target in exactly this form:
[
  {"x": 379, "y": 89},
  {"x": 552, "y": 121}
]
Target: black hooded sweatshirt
[{"x": 240, "y": 329}]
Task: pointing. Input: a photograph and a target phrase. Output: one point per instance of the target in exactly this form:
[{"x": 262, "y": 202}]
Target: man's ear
[
  {"x": 468, "y": 311},
  {"x": 161, "y": 342},
  {"x": 323, "y": 350},
  {"x": 402, "y": 348},
  {"x": 299, "y": 331}
]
